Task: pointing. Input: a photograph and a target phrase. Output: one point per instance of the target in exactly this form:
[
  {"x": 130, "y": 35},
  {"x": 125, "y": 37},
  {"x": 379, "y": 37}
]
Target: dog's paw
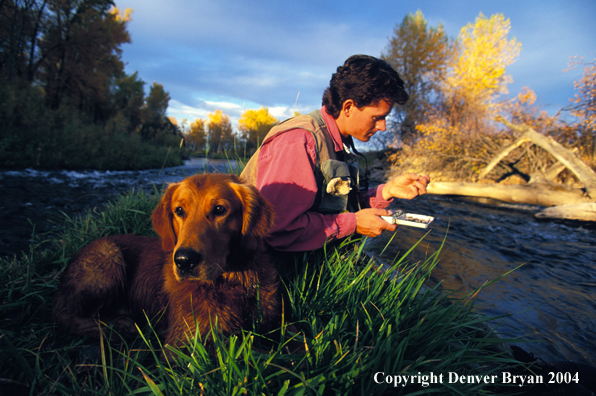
[{"x": 124, "y": 325}]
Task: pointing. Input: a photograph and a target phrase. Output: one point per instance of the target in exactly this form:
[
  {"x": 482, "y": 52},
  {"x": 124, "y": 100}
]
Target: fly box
[{"x": 408, "y": 219}]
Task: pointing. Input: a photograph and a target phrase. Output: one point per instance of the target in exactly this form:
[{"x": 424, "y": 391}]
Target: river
[{"x": 550, "y": 300}]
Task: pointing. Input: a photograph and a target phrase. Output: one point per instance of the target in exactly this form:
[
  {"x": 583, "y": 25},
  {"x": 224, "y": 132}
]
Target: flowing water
[
  {"x": 33, "y": 202},
  {"x": 550, "y": 299}
]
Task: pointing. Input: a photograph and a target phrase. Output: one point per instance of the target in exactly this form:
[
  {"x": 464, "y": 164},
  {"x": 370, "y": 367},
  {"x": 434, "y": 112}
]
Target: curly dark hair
[{"x": 365, "y": 80}]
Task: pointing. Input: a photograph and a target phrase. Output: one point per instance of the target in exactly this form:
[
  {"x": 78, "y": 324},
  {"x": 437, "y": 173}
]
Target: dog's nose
[{"x": 187, "y": 259}]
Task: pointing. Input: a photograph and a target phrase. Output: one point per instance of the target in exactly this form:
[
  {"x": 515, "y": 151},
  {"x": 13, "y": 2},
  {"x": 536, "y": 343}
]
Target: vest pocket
[{"x": 337, "y": 183}]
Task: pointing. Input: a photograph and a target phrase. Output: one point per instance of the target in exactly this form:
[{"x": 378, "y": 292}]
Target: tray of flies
[{"x": 408, "y": 219}]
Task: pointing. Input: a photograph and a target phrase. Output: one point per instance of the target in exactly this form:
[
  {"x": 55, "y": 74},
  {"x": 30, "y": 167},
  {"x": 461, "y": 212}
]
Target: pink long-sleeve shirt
[{"x": 286, "y": 177}]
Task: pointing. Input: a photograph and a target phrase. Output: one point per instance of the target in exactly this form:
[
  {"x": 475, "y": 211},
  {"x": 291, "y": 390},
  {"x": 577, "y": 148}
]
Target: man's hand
[
  {"x": 368, "y": 222},
  {"x": 406, "y": 186}
]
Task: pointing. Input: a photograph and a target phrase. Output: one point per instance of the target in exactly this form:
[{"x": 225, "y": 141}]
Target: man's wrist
[
  {"x": 383, "y": 193},
  {"x": 346, "y": 224}
]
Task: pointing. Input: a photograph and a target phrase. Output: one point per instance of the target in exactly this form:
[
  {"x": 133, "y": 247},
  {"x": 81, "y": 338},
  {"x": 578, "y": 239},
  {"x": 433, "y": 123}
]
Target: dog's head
[{"x": 206, "y": 219}]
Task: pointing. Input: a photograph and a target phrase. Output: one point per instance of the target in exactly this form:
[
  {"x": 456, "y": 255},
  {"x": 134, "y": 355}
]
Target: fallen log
[
  {"x": 532, "y": 194},
  {"x": 580, "y": 211}
]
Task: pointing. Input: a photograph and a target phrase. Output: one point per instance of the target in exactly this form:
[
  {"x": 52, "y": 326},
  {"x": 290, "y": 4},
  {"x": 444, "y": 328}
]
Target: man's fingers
[
  {"x": 385, "y": 225},
  {"x": 369, "y": 222},
  {"x": 381, "y": 212},
  {"x": 420, "y": 187},
  {"x": 411, "y": 176},
  {"x": 391, "y": 227},
  {"x": 378, "y": 231}
]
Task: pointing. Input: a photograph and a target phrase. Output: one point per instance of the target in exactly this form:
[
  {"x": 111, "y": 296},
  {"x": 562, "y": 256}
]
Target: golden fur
[{"x": 209, "y": 264}]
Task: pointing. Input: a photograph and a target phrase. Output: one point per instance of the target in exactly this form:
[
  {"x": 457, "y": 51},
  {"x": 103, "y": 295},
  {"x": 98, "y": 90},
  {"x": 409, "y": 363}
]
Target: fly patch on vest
[{"x": 339, "y": 192}]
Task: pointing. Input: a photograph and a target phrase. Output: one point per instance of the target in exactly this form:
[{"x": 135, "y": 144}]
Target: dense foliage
[{"x": 65, "y": 100}]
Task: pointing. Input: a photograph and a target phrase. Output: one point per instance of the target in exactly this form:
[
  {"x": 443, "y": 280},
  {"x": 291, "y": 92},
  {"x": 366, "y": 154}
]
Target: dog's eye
[
  {"x": 219, "y": 210},
  {"x": 179, "y": 211}
]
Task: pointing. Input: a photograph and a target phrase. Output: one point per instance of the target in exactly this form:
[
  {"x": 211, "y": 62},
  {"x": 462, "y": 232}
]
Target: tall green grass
[{"x": 344, "y": 322}]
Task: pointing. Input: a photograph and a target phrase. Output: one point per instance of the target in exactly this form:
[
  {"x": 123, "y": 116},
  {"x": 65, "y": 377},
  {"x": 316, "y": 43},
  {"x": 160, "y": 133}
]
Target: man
[{"x": 306, "y": 168}]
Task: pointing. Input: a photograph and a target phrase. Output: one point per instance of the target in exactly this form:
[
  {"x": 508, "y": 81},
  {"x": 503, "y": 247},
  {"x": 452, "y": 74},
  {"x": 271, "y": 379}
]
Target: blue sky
[{"x": 233, "y": 55}]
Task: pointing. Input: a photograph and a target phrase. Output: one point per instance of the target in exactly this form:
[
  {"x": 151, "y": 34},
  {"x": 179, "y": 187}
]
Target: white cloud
[
  {"x": 181, "y": 111},
  {"x": 266, "y": 53}
]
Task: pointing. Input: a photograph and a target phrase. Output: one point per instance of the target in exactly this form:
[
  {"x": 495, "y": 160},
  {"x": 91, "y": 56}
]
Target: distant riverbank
[{"x": 34, "y": 201}]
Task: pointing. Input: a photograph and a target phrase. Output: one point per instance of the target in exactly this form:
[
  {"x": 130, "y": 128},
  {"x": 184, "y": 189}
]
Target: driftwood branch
[
  {"x": 580, "y": 169},
  {"x": 532, "y": 194},
  {"x": 499, "y": 157},
  {"x": 581, "y": 211}
]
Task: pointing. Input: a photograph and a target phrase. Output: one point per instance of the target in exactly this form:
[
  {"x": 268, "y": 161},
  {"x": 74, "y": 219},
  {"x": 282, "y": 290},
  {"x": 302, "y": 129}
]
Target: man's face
[{"x": 362, "y": 123}]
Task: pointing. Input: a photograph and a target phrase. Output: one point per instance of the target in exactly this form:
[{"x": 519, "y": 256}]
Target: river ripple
[
  {"x": 33, "y": 202},
  {"x": 551, "y": 298}
]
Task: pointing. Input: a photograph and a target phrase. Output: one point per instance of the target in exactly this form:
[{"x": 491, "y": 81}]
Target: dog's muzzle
[{"x": 187, "y": 260}]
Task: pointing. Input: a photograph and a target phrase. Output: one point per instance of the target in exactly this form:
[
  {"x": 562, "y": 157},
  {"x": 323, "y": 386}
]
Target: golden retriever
[{"x": 208, "y": 265}]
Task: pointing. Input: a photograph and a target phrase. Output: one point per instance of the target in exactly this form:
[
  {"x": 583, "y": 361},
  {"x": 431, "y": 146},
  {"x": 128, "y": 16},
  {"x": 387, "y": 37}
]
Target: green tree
[
  {"x": 155, "y": 122},
  {"x": 128, "y": 99},
  {"x": 64, "y": 96},
  {"x": 421, "y": 55},
  {"x": 21, "y": 25},
  {"x": 156, "y": 103},
  {"x": 81, "y": 54}
]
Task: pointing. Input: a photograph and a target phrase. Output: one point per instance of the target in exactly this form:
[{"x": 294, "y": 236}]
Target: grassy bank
[{"x": 354, "y": 323}]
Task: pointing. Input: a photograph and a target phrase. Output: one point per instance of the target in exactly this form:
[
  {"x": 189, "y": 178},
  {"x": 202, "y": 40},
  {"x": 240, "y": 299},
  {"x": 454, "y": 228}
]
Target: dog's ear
[
  {"x": 162, "y": 219},
  {"x": 257, "y": 215}
]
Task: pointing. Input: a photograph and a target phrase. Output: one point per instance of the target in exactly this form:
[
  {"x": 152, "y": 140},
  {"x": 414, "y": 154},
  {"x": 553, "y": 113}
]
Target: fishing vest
[{"x": 337, "y": 174}]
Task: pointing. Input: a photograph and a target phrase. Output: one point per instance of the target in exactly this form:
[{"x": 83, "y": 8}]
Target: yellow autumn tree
[
  {"x": 197, "y": 136},
  {"x": 254, "y": 125},
  {"x": 219, "y": 131},
  {"x": 477, "y": 76},
  {"x": 522, "y": 109},
  {"x": 470, "y": 93},
  {"x": 121, "y": 16}
]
